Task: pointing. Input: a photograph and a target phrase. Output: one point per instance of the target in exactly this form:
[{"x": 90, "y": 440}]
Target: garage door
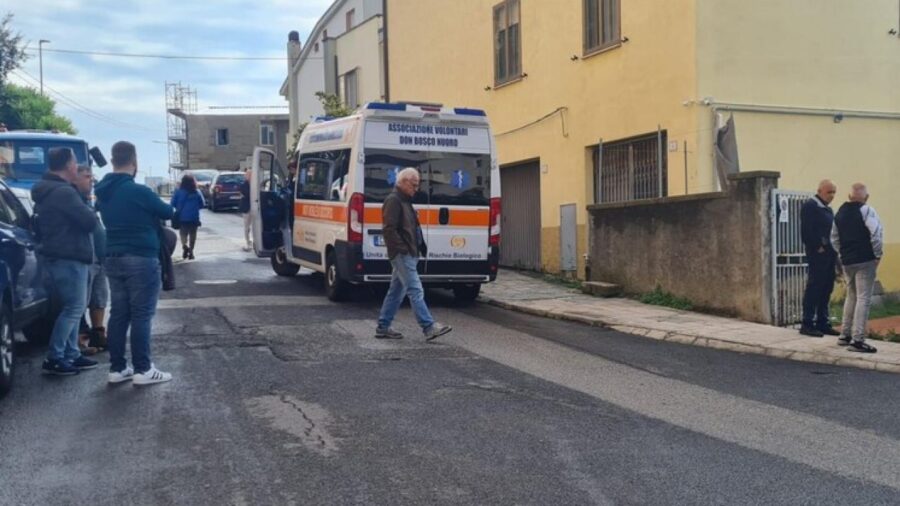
[{"x": 521, "y": 216}]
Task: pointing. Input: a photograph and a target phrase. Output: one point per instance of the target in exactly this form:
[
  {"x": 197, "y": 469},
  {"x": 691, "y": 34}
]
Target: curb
[{"x": 705, "y": 341}]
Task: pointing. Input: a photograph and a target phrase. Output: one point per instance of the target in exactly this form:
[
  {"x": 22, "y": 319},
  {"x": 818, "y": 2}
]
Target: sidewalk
[{"x": 531, "y": 295}]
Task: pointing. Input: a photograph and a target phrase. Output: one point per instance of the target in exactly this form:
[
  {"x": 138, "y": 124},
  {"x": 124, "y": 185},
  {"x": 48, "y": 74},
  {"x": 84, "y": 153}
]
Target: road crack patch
[{"x": 306, "y": 421}]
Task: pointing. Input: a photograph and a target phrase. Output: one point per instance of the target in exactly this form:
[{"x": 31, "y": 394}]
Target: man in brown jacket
[{"x": 404, "y": 241}]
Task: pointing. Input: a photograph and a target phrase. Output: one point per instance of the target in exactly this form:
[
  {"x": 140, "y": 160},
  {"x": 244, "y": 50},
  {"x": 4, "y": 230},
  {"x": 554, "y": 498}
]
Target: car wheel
[
  {"x": 336, "y": 289},
  {"x": 466, "y": 293},
  {"x": 7, "y": 350},
  {"x": 281, "y": 265}
]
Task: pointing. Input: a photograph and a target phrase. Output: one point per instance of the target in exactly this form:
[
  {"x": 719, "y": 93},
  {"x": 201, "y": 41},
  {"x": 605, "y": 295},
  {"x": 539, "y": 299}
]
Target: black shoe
[
  {"x": 190, "y": 254},
  {"x": 83, "y": 363},
  {"x": 184, "y": 254},
  {"x": 861, "y": 347},
  {"x": 387, "y": 333},
  {"x": 806, "y": 331},
  {"x": 844, "y": 340},
  {"x": 58, "y": 368},
  {"x": 829, "y": 331}
]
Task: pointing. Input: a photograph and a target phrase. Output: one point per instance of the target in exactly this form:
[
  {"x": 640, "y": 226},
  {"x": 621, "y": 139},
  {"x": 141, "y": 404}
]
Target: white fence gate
[{"x": 789, "y": 264}]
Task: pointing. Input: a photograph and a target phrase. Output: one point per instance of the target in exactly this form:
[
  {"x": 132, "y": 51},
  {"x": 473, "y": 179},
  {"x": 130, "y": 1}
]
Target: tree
[
  {"x": 23, "y": 107},
  {"x": 26, "y": 108},
  {"x": 334, "y": 108},
  {"x": 12, "y": 55}
]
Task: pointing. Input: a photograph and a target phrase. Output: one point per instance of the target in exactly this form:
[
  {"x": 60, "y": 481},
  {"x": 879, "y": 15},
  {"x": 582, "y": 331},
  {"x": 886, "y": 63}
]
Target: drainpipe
[{"x": 384, "y": 36}]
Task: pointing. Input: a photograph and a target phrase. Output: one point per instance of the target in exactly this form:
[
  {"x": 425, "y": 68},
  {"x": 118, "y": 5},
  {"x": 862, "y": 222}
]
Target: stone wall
[{"x": 713, "y": 248}]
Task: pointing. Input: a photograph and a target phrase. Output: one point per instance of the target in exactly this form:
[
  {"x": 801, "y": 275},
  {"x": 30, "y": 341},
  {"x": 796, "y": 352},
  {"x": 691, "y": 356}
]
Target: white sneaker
[
  {"x": 123, "y": 375},
  {"x": 247, "y": 247},
  {"x": 151, "y": 377}
]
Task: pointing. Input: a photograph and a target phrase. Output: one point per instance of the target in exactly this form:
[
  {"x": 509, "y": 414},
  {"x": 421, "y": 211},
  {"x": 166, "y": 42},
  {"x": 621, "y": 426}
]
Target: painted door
[{"x": 521, "y": 216}]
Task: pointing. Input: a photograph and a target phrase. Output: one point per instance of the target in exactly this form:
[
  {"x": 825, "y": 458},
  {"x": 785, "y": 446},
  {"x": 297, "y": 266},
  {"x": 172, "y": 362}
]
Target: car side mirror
[{"x": 98, "y": 157}]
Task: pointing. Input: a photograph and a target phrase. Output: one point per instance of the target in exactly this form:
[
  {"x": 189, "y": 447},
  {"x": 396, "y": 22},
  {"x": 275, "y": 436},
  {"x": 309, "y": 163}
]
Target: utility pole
[{"x": 41, "y": 61}]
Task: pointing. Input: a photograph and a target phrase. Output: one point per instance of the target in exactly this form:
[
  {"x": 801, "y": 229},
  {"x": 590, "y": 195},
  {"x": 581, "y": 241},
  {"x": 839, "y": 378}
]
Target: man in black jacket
[
  {"x": 405, "y": 243},
  {"x": 66, "y": 224},
  {"x": 816, "y": 218}
]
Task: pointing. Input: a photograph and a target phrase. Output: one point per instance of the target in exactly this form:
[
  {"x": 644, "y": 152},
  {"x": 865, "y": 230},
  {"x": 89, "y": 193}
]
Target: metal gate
[
  {"x": 520, "y": 224},
  {"x": 789, "y": 264}
]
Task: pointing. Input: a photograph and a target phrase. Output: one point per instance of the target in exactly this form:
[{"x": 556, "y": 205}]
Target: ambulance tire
[
  {"x": 336, "y": 289},
  {"x": 466, "y": 294},
  {"x": 281, "y": 265}
]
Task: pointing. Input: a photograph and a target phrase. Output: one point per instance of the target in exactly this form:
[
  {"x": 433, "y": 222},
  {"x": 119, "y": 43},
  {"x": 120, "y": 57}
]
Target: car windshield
[
  {"x": 27, "y": 159},
  {"x": 231, "y": 179},
  {"x": 203, "y": 177}
]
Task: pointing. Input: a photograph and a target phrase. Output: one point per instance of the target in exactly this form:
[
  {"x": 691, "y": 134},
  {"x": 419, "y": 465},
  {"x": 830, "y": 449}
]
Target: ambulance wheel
[
  {"x": 466, "y": 293},
  {"x": 336, "y": 289},
  {"x": 281, "y": 265}
]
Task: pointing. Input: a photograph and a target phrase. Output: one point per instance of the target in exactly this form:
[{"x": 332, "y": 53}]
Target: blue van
[{"x": 23, "y": 155}]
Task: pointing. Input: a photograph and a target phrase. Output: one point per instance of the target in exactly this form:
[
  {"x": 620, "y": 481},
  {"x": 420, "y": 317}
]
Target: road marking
[
  {"x": 215, "y": 281},
  {"x": 799, "y": 437},
  {"x": 256, "y": 300}
]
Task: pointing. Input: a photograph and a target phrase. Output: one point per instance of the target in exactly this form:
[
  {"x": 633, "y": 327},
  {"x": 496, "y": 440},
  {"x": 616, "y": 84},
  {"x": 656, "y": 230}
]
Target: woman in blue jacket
[{"x": 188, "y": 201}]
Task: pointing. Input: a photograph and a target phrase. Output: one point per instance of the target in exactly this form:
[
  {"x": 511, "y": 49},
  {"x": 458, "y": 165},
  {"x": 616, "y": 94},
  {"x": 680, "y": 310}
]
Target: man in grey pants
[{"x": 857, "y": 235}]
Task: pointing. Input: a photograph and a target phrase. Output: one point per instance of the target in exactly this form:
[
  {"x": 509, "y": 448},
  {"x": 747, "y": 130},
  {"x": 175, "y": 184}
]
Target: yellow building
[{"x": 813, "y": 86}]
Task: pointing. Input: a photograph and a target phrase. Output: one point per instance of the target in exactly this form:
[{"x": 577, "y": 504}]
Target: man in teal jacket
[{"x": 132, "y": 215}]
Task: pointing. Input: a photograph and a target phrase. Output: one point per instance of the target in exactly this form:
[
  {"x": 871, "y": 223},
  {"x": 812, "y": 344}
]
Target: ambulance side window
[{"x": 323, "y": 175}]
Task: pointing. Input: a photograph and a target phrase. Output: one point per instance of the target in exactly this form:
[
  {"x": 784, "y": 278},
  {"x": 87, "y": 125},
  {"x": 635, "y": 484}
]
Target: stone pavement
[{"x": 528, "y": 294}]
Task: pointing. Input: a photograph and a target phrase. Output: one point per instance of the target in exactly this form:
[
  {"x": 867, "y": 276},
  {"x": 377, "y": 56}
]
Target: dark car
[
  {"x": 25, "y": 302},
  {"x": 226, "y": 191}
]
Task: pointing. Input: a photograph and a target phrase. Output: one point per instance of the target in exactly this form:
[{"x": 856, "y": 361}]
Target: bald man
[
  {"x": 858, "y": 236},
  {"x": 816, "y": 219}
]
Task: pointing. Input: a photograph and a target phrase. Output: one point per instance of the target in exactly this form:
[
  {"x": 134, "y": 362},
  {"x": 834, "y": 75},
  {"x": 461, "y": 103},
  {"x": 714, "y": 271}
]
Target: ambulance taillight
[
  {"x": 355, "y": 219},
  {"x": 495, "y": 222}
]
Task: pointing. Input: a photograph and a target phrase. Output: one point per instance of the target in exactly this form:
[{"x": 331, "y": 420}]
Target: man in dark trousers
[
  {"x": 816, "y": 218},
  {"x": 132, "y": 214},
  {"x": 66, "y": 224},
  {"x": 858, "y": 236},
  {"x": 405, "y": 242}
]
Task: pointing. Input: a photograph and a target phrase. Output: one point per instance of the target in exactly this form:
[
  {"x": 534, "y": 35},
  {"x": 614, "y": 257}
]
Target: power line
[
  {"x": 160, "y": 56},
  {"x": 83, "y": 109}
]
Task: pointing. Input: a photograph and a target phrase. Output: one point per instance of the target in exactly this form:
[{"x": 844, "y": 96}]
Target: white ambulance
[{"x": 327, "y": 217}]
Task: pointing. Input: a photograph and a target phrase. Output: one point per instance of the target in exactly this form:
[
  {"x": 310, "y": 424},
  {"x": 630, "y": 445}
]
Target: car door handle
[{"x": 444, "y": 216}]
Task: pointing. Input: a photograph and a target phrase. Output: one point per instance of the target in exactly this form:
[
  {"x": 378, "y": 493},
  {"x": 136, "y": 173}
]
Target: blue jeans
[
  {"x": 69, "y": 280},
  {"x": 134, "y": 284},
  {"x": 405, "y": 281}
]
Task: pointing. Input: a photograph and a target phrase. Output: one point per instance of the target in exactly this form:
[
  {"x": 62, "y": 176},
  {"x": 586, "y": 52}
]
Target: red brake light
[
  {"x": 495, "y": 222},
  {"x": 355, "y": 219}
]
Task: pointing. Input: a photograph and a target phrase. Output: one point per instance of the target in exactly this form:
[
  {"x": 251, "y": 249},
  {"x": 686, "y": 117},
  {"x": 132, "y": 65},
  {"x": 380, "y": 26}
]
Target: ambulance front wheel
[
  {"x": 281, "y": 265},
  {"x": 336, "y": 288},
  {"x": 466, "y": 293}
]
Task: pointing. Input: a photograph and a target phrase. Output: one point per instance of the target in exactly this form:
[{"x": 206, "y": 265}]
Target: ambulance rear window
[{"x": 450, "y": 179}]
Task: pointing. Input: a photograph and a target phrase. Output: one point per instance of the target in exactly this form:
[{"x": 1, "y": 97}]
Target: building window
[
  {"x": 221, "y": 137},
  {"x": 631, "y": 169},
  {"x": 507, "y": 42},
  {"x": 350, "y": 14},
  {"x": 350, "y": 89},
  {"x": 602, "y": 24},
  {"x": 266, "y": 134}
]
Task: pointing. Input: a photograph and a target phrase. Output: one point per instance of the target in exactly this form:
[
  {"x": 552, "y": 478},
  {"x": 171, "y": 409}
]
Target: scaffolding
[{"x": 180, "y": 101}]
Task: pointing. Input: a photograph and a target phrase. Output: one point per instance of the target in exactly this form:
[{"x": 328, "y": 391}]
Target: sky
[{"x": 126, "y": 96}]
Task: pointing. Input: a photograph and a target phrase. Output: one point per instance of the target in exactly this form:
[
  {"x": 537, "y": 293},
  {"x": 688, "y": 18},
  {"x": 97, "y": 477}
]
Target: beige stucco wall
[
  {"x": 360, "y": 49},
  {"x": 442, "y": 51},
  {"x": 818, "y": 54}
]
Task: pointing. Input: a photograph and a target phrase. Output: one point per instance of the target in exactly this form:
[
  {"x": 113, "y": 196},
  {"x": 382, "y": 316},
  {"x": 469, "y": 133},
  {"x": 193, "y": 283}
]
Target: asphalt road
[{"x": 282, "y": 397}]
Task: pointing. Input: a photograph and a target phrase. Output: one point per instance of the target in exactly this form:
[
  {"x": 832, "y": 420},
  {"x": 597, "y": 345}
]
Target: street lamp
[{"x": 41, "y": 60}]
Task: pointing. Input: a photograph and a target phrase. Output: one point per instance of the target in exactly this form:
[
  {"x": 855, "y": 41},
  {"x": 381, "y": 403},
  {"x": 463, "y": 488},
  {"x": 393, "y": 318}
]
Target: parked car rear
[{"x": 225, "y": 191}]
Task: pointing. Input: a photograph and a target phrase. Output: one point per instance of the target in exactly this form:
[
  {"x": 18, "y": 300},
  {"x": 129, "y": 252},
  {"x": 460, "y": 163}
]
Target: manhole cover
[{"x": 215, "y": 281}]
